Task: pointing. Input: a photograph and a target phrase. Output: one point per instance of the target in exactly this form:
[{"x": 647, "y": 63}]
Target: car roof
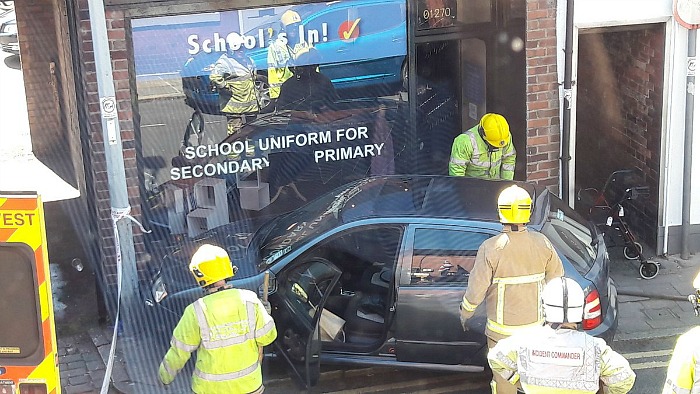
[{"x": 429, "y": 196}]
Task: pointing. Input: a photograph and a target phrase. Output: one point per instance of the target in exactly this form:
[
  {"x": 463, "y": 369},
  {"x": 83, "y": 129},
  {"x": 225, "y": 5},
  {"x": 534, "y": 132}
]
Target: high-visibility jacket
[
  {"x": 280, "y": 57},
  {"x": 227, "y": 328},
  {"x": 235, "y": 80},
  {"x": 474, "y": 157},
  {"x": 551, "y": 361},
  {"x": 510, "y": 271},
  {"x": 683, "y": 376}
]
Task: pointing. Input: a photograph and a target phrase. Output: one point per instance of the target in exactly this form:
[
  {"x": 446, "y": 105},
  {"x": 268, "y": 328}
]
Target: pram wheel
[
  {"x": 632, "y": 253},
  {"x": 648, "y": 270}
]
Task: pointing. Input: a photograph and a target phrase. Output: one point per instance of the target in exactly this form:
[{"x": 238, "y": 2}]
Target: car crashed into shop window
[{"x": 373, "y": 272}]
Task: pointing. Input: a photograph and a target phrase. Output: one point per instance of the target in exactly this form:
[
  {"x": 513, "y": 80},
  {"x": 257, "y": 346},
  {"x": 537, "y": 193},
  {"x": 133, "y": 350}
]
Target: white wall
[{"x": 603, "y": 13}]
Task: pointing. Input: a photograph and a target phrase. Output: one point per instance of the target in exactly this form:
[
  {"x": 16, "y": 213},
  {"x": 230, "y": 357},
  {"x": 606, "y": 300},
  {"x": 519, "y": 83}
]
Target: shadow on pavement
[{"x": 75, "y": 304}]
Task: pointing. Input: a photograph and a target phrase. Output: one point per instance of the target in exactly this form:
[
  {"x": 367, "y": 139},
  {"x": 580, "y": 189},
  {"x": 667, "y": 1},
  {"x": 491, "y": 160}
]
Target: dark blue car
[
  {"x": 373, "y": 273},
  {"x": 370, "y": 65}
]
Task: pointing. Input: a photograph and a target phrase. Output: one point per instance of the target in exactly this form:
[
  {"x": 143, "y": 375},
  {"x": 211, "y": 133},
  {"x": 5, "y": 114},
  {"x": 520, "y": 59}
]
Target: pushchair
[{"x": 606, "y": 209}]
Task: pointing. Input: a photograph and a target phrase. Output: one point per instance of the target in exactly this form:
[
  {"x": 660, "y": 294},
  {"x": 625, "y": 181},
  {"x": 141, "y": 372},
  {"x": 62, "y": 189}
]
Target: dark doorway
[
  {"x": 451, "y": 85},
  {"x": 618, "y": 114}
]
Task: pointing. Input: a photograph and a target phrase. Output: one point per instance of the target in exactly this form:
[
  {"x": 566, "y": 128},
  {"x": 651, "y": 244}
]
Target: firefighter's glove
[
  {"x": 463, "y": 318},
  {"x": 267, "y": 306}
]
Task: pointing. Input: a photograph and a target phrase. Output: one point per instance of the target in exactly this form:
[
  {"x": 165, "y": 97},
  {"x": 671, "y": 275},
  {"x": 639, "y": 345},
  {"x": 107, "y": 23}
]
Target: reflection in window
[
  {"x": 444, "y": 256},
  {"x": 573, "y": 240}
]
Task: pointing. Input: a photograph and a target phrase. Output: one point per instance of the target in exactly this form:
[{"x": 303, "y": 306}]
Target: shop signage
[
  {"x": 434, "y": 14},
  {"x": 341, "y": 31}
]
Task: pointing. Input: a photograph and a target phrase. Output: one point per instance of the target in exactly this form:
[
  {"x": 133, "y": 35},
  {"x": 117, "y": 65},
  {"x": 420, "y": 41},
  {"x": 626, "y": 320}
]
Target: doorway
[
  {"x": 619, "y": 106},
  {"x": 450, "y": 96}
]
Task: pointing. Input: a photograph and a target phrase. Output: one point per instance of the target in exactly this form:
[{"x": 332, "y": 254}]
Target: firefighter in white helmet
[
  {"x": 227, "y": 327},
  {"x": 282, "y": 52},
  {"x": 484, "y": 151},
  {"x": 683, "y": 375},
  {"x": 510, "y": 270},
  {"x": 557, "y": 357}
]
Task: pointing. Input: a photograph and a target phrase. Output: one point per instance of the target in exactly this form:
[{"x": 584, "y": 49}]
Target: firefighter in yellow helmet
[
  {"x": 683, "y": 375},
  {"x": 509, "y": 272},
  {"x": 233, "y": 75},
  {"x": 227, "y": 327},
  {"x": 283, "y": 51},
  {"x": 484, "y": 151},
  {"x": 533, "y": 357}
]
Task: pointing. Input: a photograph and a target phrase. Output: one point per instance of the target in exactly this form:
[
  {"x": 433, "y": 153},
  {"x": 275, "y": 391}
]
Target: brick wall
[
  {"x": 116, "y": 33},
  {"x": 542, "y": 156},
  {"x": 619, "y": 113}
]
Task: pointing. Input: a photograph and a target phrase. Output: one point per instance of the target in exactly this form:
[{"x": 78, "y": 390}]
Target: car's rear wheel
[{"x": 404, "y": 75}]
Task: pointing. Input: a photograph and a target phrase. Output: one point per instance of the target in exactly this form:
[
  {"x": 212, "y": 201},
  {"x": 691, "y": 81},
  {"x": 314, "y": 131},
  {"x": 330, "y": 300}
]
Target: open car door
[{"x": 301, "y": 295}]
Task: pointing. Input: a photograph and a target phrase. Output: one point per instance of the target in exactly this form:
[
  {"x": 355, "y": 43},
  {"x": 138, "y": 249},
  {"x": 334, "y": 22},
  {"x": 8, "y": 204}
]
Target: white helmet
[{"x": 563, "y": 301}]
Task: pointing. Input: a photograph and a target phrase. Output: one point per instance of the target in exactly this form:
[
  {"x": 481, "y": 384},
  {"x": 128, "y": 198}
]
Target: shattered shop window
[{"x": 247, "y": 114}]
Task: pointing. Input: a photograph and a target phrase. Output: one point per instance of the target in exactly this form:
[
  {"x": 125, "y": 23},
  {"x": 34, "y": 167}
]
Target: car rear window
[{"x": 570, "y": 236}]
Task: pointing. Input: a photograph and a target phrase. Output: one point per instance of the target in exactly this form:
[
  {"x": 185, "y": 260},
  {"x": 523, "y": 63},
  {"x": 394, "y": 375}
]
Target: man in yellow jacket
[
  {"x": 557, "y": 357},
  {"x": 227, "y": 327},
  {"x": 484, "y": 151},
  {"x": 509, "y": 272},
  {"x": 683, "y": 375},
  {"x": 283, "y": 52},
  {"x": 233, "y": 75}
]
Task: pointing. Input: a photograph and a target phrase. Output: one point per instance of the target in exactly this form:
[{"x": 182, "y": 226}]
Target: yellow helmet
[
  {"x": 495, "y": 130},
  {"x": 514, "y": 205},
  {"x": 211, "y": 264},
  {"x": 289, "y": 17}
]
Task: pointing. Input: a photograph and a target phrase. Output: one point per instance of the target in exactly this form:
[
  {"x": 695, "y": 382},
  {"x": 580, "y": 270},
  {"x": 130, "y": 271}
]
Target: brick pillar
[{"x": 542, "y": 104}]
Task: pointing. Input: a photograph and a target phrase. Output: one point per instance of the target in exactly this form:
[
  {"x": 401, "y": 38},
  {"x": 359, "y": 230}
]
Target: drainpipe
[
  {"x": 688, "y": 145},
  {"x": 565, "y": 156}
]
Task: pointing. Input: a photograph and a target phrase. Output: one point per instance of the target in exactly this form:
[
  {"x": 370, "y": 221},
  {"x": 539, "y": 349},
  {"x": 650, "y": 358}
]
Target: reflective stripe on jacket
[
  {"x": 471, "y": 157},
  {"x": 236, "y": 84},
  {"x": 683, "y": 376},
  {"x": 551, "y": 361},
  {"x": 510, "y": 271},
  {"x": 227, "y": 328},
  {"x": 280, "y": 57}
]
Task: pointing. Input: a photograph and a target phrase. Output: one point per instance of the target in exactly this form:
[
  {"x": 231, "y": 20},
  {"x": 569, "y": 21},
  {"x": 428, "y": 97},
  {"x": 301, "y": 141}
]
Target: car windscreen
[
  {"x": 570, "y": 235},
  {"x": 287, "y": 233}
]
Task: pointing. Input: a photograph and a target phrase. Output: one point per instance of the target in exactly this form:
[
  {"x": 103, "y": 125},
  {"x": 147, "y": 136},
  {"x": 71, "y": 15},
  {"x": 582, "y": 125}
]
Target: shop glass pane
[
  {"x": 243, "y": 119},
  {"x": 451, "y": 97}
]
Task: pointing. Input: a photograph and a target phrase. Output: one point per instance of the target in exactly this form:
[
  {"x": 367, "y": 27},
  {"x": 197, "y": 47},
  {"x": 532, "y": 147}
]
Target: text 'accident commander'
[
  {"x": 484, "y": 151},
  {"x": 557, "y": 358},
  {"x": 510, "y": 271},
  {"x": 227, "y": 327}
]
